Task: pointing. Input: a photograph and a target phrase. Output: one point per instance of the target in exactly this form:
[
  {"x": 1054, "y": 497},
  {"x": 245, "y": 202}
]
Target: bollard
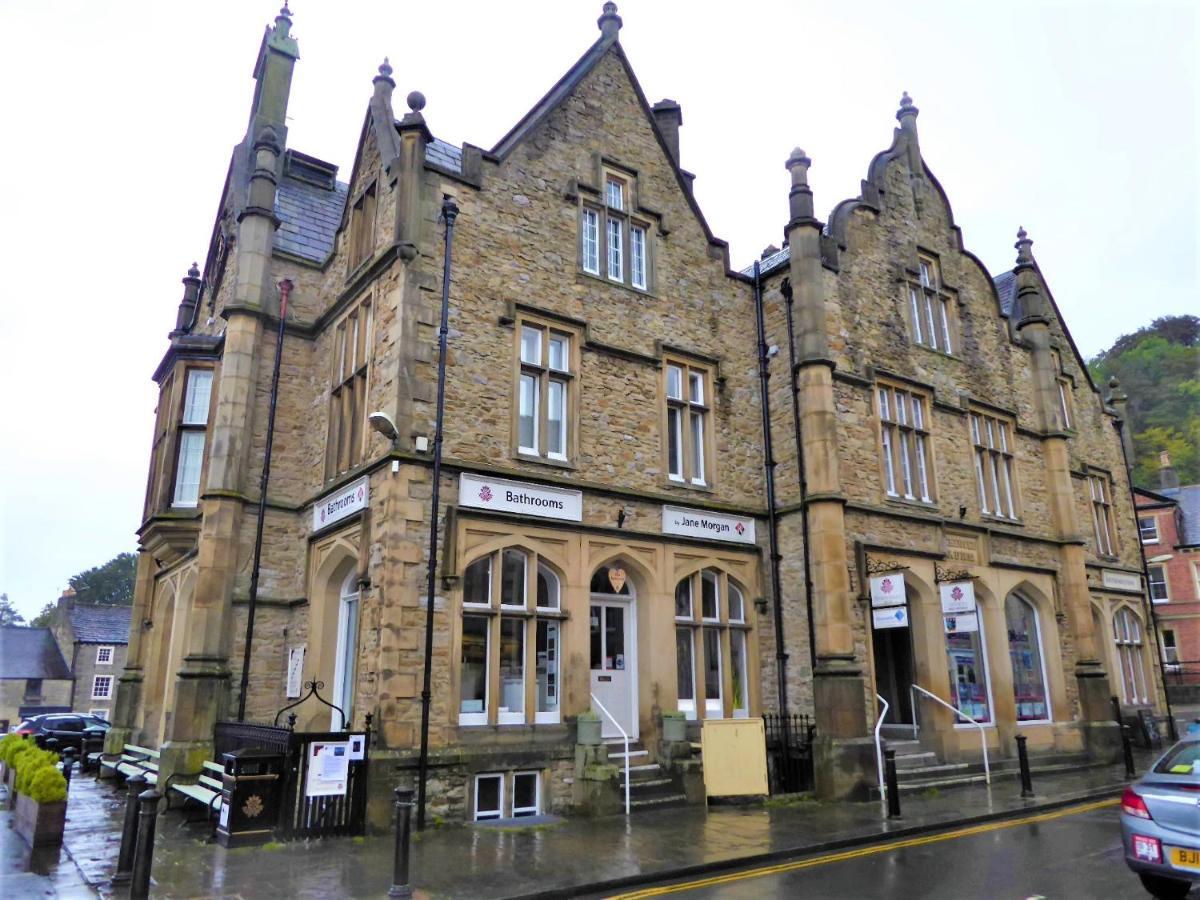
[
  {"x": 1023, "y": 758},
  {"x": 1127, "y": 748},
  {"x": 893, "y": 788},
  {"x": 52, "y": 744},
  {"x": 143, "y": 854},
  {"x": 404, "y": 806},
  {"x": 136, "y": 785},
  {"x": 68, "y": 763}
]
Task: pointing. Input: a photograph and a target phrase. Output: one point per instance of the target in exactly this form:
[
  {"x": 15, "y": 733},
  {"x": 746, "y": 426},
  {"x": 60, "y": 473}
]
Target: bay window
[{"x": 193, "y": 425}]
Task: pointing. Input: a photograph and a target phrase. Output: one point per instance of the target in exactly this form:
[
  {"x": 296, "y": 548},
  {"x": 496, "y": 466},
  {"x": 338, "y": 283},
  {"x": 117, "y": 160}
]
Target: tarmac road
[{"x": 1062, "y": 855}]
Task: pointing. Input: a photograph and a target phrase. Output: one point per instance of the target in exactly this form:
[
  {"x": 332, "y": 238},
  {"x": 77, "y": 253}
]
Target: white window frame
[
  {"x": 524, "y": 812},
  {"x": 714, "y": 707},
  {"x": 1150, "y": 583},
  {"x": 995, "y": 464},
  {"x": 903, "y": 433},
  {"x": 688, "y": 419},
  {"x": 1037, "y": 629},
  {"x": 1129, "y": 652},
  {"x": 615, "y": 256},
  {"x": 1154, "y": 538},
  {"x": 100, "y": 713},
  {"x": 987, "y": 676},
  {"x": 1103, "y": 525},
  {"x": 499, "y": 812},
  {"x": 929, "y": 309},
  {"x": 1170, "y": 650},
  {"x": 614, "y": 245},
  {"x": 100, "y": 653},
  {"x": 542, "y": 374},
  {"x": 637, "y": 256},
  {"x": 481, "y": 717},
  {"x": 107, "y": 681},
  {"x": 345, "y": 665},
  {"x": 505, "y": 716},
  {"x": 687, "y": 706},
  {"x": 590, "y": 238},
  {"x": 1064, "y": 403}
]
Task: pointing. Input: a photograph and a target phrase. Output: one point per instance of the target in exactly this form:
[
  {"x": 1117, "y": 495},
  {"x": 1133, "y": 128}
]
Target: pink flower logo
[
  {"x": 322, "y": 514},
  {"x": 360, "y": 492},
  {"x": 739, "y": 528},
  {"x": 485, "y": 494},
  {"x": 886, "y": 585},
  {"x": 957, "y": 593}
]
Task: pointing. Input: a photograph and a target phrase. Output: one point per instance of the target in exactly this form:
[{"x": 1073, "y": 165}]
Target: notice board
[{"x": 734, "y": 752}]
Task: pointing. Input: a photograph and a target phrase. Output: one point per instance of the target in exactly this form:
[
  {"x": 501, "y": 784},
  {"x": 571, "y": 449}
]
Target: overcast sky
[{"x": 1077, "y": 120}]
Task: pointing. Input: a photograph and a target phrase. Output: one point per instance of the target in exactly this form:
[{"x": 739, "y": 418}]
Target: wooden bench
[
  {"x": 134, "y": 760},
  {"x": 206, "y": 789}
]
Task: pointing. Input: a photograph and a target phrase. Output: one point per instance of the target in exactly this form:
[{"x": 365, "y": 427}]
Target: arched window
[
  {"x": 967, "y": 658},
  {"x": 1028, "y": 661},
  {"x": 1127, "y": 634},
  {"x": 497, "y": 650},
  {"x": 710, "y": 629},
  {"x": 347, "y": 650}
]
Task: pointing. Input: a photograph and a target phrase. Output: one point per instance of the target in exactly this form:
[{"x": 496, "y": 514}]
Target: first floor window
[
  {"x": 104, "y": 656},
  {"x": 1158, "y": 583},
  {"x": 994, "y": 465},
  {"x": 687, "y": 423},
  {"x": 351, "y": 354},
  {"x": 1170, "y": 648},
  {"x": 543, "y": 391},
  {"x": 1127, "y": 634},
  {"x": 1148, "y": 529},
  {"x": 33, "y": 687},
  {"x": 1025, "y": 651},
  {"x": 905, "y": 443},
  {"x": 187, "y": 472},
  {"x": 1102, "y": 522},
  {"x": 102, "y": 687}
]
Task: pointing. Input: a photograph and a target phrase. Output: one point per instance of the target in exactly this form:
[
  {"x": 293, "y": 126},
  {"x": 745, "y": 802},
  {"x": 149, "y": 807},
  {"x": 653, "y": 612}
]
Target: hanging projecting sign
[
  {"x": 887, "y": 590},
  {"x": 519, "y": 497},
  {"x": 715, "y": 526},
  {"x": 340, "y": 504},
  {"x": 958, "y": 597},
  {"x": 962, "y": 624},
  {"x": 295, "y": 671},
  {"x": 890, "y": 617}
]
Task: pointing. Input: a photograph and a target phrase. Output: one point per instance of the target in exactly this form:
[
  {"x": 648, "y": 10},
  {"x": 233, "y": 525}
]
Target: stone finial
[
  {"x": 194, "y": 271},
  {"x": 907, "y": 109},
  {"x": 283, "y": 21},
  {"x": 415, "y": 101},
  {"x": 800, "y": 199},
  {"x": 385, "y": 68},
  {"x": 798, "y": 164},
  {"x": 1115, "y": 394},
  {"x": 1024, "y": 248},
  {"x": 609, "y": 21}
]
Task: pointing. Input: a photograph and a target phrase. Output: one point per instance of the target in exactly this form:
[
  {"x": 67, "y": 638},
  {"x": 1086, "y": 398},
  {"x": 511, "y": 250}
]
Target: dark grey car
[{"x": 1160, "y": 822}]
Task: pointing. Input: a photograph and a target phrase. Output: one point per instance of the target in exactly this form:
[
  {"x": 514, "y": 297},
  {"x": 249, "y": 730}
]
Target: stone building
[
  {"x": 94, "y": 641},
  {"x": 34, "y": 677},
  {"x": 1169, "y": 526},
  {"x": 606, "y": 537}
]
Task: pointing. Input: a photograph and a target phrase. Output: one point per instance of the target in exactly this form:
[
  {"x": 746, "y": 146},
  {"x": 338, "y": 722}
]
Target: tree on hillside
[
  {"x": 45, "y": 617},
  {"x": 1159, "y": 367},
  {"x": 8, "y": 612},
  {"x": 108, "y": 585}
]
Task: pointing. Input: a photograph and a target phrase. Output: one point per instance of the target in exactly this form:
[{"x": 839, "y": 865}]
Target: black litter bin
[{"x": 250, "y": 797}]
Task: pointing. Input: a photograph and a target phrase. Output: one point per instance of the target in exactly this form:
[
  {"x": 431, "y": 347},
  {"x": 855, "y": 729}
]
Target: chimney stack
[
  {"x": 1168, "y": 478},
  {"x": 669, "y": 116}
]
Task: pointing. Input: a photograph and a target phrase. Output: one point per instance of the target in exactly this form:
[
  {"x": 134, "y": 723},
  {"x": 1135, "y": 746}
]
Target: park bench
[
  {"x": 206, "y": 789},
  {"x": 133, "y": 760}
]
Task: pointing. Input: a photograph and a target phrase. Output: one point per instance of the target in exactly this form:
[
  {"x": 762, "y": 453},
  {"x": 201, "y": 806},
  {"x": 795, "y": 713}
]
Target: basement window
[{"x": 489, "y": 797}]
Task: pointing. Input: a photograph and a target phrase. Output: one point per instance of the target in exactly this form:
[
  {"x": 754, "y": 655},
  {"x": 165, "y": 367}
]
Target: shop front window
[
  {"x": 1025, "y": 650},
  {"x": 968, "y": 671},
  {"x": 712, "y": 646},
  {"x": 1127, "y": 633}
]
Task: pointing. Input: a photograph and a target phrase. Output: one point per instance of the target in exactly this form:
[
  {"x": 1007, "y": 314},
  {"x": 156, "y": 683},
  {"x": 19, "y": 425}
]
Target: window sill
[
  {"x": 604, "y": 279},
  {"x": 1160, "y": 602},
  {"x": 566, "y": 464},
  {"x": 926, "y": 505},
  {"x": 689, "y": 486},
  {"x": 1001, "y": 520},
  {"x": 942, "y": 353}
]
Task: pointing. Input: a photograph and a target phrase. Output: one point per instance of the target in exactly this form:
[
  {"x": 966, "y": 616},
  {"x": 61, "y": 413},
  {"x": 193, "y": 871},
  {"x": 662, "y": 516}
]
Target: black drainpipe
[
  {"x": 786, "y": 287},
  {"x": 764, "y": 377}
]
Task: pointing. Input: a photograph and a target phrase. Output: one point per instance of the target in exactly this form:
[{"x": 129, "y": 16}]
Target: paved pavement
[
  {"x": 563, "y": 859},
  {"x": 1067, "y": 854}
]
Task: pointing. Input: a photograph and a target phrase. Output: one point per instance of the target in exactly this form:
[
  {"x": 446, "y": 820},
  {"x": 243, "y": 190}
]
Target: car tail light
[
  {"x": 24, "y": 731},
  {"x": 1132, "y": 804},
  {"x": 1147, "y": 848}
]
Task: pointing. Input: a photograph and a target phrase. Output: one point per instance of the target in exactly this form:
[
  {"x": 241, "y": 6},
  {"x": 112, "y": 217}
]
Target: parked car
[
  {"x": 71, "y": 729},
  {"x": 1160, "y": 822}
]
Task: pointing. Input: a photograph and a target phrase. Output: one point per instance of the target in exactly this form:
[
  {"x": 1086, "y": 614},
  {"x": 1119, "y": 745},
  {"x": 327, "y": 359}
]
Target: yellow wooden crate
[{"x": 735, "y": 757}]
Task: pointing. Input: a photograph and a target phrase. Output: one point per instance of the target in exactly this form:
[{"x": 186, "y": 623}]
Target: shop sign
[
  {"x": 701, "y": 524},
  {"x": 890, "y": 617},
  {"x": 964, "y": 623},
  {"x": 887, "y": 590},
  {"x": 295, "y": 671},
  {"x": 519, "y": 497},
  {"x": 342, "y": 503},
  {"x": 328, "y": 769},
  {"x": 958, "y": 597},
  {"x": 1122, "y": 581}
]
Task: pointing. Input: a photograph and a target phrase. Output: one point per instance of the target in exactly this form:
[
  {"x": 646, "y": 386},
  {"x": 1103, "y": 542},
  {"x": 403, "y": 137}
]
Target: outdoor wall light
[
  {"x": 383, "y": 423},
  {"x": 760, "y": 603}
]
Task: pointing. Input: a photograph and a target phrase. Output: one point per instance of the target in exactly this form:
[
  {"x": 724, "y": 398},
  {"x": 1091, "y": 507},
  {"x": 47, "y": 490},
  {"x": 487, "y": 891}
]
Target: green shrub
[
  {"x": 29, "y": 763},
  {"x": 48, "y": 786},
  {"x": 10, "y": 744}
]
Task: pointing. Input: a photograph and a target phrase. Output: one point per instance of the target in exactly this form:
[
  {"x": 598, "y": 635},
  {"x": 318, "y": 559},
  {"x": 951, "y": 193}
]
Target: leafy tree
[
  {"x": 1159, "y": 368},
  {"x": 108, "y": 585},
  {"x": 8, "y": 612},
  {"x": 45, "y": 617}
]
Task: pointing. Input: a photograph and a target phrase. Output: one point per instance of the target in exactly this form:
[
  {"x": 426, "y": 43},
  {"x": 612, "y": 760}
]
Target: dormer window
[
  {"x": 930, "y": 314},
  {"x": 613, "y": 244}
]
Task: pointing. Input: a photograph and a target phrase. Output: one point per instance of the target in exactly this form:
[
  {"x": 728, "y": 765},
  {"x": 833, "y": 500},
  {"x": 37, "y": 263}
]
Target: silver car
[{"x": 1160, "y": 822}]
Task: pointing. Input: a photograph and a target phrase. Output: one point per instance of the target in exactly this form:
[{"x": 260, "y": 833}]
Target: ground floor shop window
[
  {"x": 1127, "y": 633},
  {"x": 473, "y": 690},
  {"x": 968, "y": 673},
  {"x": 711, "y": 645},
  {"x": 1025, "y": 651},
  {"x": 686, "y": 671},
  {"x": 500, "y": 795}
]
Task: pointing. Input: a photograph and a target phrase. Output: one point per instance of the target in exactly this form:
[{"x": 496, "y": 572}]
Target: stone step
[
  {"x": 619, "y": 759},
  {"x": 962, "y": 774},
  {"x": 915, "y": 760},
  {"x": 663, "y": 802},
  {"x": 648, "y": 772}
]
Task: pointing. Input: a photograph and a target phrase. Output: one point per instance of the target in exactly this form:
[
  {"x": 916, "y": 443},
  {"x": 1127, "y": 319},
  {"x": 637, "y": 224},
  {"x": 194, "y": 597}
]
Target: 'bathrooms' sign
[
  {"x": 519, "y": 497},
  {"x": 340, "y": 504},
  {"x": 697, "y": 523}
]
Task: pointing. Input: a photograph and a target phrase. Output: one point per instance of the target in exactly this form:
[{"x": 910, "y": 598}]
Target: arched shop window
[
  {"x": 711, "y": 642},
  {"x": 347, "y": 651},
  {"x": 968, "y": 668},
  {"x": 1025, "y": 650},
  {"x": 508, "y": 631},
  {"x": 1127, "y": 634}
]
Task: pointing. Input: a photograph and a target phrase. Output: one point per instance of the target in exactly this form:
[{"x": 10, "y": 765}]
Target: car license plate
[{"x": 1185, "y": 859}]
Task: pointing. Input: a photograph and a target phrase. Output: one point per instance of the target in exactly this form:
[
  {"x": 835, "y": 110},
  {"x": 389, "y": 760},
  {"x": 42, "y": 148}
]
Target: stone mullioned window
[
  {"x": 711, "y": 630},
  {"x": 905, "y": 443},
  {"x": 687, "y": 424},
  {"x": 994, "y": 470},
  {"x": 613, "y": 243},
  {"x": 1100, "y": 489},
  {"x": 192, "y": 428},
  {"x": 546, "y": 404},
  {"x": 930, "y": 310},
  {"x": 348, "y": 391}
]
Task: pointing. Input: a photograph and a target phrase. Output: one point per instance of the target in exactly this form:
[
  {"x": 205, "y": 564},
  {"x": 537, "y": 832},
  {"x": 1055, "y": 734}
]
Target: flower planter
[
  {"x": 674, "y": 729},
  {"x": 41, "y": 824},
  {"x": 587, "y": 731}
]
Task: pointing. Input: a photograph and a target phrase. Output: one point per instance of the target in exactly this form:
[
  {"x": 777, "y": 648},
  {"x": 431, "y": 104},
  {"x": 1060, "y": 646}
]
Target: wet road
[{"x": 1057, "y": 856}]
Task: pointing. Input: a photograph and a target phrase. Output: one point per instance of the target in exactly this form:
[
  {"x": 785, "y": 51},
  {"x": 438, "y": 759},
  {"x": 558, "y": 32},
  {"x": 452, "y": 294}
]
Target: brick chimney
[
  {"x": 1168, "y": 478},
  {"x": 67, "y": 600}
]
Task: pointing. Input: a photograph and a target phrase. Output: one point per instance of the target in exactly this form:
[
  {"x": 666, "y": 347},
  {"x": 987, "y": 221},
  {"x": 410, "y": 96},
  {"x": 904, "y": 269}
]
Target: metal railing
[
  {"x": 879, "y": 750},
  {"x": 624, "y": 737},
  {"x": 987, "y": 769},
  {"x": 789, "y": 740}
]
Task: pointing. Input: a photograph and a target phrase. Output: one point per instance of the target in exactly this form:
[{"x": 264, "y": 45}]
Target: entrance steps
[
  {"x": 649, "y": 786},
  {"x": 920, "y": 770}
]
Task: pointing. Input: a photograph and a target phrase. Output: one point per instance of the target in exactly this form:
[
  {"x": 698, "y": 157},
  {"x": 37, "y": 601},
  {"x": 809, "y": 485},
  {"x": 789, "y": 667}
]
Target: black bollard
[
  {"x": 136, "y": 785},
  {"x": 1127, "y": 748},
  {"x": 52, "y": 744},
  {"x": 893, "y": 788},
  {"x": 1023, "y": 758},
  {"x": 404, "y": 806},
  {"x": 68, "y": 761},
  {"x": 143, "y": 854}
]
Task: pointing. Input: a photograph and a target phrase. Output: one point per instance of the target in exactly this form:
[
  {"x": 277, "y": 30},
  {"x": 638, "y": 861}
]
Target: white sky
[{"x": 1077, "y": 120}]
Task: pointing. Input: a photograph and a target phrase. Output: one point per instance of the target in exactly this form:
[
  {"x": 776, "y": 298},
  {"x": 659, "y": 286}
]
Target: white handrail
[
  {"x": 879, "y": 750},
  {"x": 626, "y": 738},
  {"x": 987, "y": 769}
]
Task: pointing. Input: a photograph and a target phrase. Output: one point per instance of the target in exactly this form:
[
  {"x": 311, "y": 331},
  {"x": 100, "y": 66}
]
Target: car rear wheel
[{"x": 1165, "y": 888}]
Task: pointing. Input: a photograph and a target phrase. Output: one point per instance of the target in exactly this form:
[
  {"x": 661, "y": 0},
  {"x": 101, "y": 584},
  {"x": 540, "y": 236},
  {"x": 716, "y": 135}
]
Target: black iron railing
[{"x": 789, "y": 752}]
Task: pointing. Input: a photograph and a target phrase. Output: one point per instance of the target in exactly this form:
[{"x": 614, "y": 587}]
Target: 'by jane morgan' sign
[
  {"x": 520, "y": 497},
  {"x": 715, "y": 526},
  {"x": 340, "y": 504}
]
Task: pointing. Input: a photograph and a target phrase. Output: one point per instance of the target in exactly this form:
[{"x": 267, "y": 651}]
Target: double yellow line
[{"x": 861, "y": 852}]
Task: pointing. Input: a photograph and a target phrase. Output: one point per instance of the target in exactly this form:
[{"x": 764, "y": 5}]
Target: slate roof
[
  {"x": 309, "y": 217},
  {"x": 1188, "y": 498},
  {"x": 1006, "y": 287},
  {"x": 445, "y": 155},
  {"x": 101, "y": 624},
  {"x": 31, "y": 653},
  {"x": 776, "y": 260}
]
